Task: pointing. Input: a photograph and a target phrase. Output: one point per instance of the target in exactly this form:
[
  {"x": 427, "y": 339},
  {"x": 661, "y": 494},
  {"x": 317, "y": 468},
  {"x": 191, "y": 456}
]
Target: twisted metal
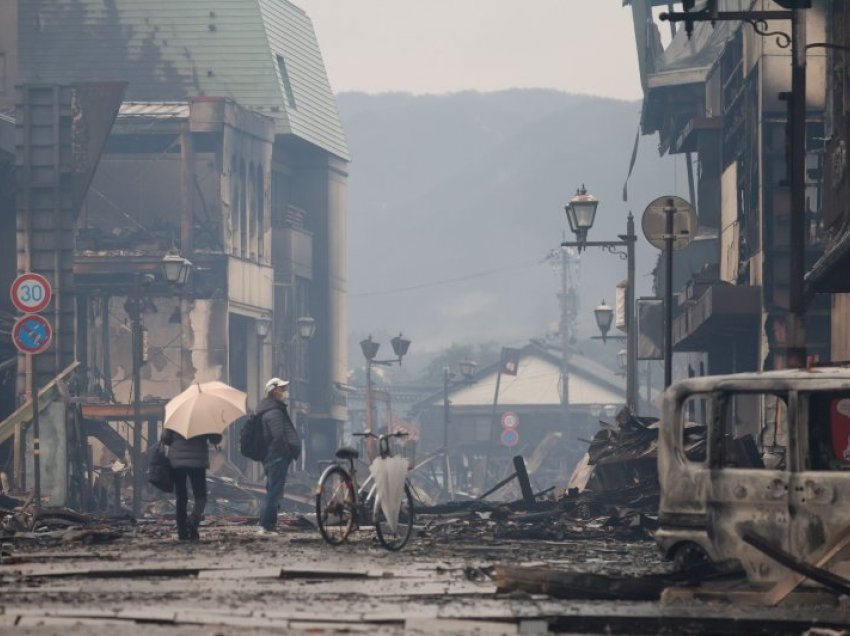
[
  {"x": 616, "y": 249},
  {"x": 783, "y": 40}
]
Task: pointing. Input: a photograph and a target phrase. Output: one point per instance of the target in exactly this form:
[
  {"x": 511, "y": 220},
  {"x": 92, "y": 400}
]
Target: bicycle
[{"x": 341, "y": 504}]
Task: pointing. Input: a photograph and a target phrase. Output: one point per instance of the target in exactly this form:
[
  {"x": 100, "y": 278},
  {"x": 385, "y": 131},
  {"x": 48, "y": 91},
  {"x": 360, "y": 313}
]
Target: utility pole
[
  {"x": 565, "y": 338},
  {"x": 564, "y": 259}
]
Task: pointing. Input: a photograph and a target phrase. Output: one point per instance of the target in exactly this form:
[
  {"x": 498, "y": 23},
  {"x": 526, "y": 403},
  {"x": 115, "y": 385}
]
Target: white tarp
[{"x": 389, "y": 475}]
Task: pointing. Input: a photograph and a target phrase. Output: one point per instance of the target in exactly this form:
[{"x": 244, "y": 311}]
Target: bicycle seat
[{"x": 347, "y": 453}]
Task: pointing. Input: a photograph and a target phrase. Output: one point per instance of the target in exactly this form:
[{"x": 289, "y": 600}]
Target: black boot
[
  {"x": 183, "y": 532},
  {"x": 192, "y": 529}
]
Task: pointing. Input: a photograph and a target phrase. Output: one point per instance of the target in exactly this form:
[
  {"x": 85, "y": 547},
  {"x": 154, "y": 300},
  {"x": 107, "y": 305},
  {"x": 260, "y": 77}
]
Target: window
[
  {"x": 261, "y": 214},
  {"x": 251, "y": 187},
  {"x": 235, "y": 195},
  {"x": 694, "y": 417},
  {"x": 287, "y": 85},
  {"x": 829, "y": 431},
  {"x": 243, "y": 210},
  {"x": 751, "y": 432}
]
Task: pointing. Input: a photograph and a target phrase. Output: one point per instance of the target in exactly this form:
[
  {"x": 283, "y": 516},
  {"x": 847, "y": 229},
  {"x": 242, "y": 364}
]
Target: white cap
[{"x": 274, "y": 383}]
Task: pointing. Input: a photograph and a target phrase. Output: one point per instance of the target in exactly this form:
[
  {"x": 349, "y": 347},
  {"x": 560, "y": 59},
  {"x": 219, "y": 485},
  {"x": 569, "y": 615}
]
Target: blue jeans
[{"x": 275, "y": 482}]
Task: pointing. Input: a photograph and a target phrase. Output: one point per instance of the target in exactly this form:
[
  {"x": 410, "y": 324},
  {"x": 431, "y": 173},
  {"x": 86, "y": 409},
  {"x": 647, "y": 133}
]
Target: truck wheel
[{"x": 689, "y": 554}]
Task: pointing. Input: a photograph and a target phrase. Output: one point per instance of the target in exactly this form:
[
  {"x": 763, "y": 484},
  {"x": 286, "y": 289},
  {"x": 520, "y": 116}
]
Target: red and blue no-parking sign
[
  {"x": 510, "y": 437},
  {"x": 32, "y": 334}
]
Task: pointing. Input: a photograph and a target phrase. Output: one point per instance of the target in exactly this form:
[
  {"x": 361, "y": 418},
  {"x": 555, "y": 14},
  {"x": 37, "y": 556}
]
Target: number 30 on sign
[{"x": 30, "y": 293}]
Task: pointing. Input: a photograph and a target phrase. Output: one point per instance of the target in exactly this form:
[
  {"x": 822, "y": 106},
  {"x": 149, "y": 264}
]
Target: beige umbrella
[{"x": 204, "y": 408}]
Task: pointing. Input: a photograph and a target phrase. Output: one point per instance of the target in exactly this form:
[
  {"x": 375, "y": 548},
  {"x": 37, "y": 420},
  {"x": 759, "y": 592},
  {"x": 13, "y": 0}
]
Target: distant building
[{"x": 530, "y": 404}]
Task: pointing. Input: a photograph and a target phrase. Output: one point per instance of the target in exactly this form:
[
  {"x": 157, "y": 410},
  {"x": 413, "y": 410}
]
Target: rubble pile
[
  {"x": 628, "y": 515},
  {"x": 26, "y": 523},
  {"x": 613, "y": 494}
]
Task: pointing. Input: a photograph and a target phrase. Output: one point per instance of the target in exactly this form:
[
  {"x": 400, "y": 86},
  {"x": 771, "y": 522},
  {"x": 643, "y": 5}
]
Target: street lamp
[
  {"x": 581, "y": 212},
  {"x": 623, "y": 359},
  {"x": 175, "y": 270},
  {"x": 604, "y": 315},
  {"x": 263, "y": 325},
  {"x": 467, "y": 370},
  {"x": 370, "y": 348},
  {"x": 305, "y": 329}
]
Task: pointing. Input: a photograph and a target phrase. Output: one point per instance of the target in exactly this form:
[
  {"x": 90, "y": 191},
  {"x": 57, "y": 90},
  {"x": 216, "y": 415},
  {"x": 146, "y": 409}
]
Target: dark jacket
[
  {"x": 281, "y": 435},
  {"x": 189, "y": 453}
]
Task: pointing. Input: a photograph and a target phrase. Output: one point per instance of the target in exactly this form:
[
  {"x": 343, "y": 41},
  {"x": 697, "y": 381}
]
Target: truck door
[
  {"x": 820, "y": 482},
  {"x": 749, "y": 487}
]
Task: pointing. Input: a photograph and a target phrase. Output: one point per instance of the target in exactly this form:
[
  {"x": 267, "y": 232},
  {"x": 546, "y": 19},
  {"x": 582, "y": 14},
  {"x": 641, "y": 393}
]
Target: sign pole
[
  {"x": 36, "y": 443},
  {"x": 670, "y": 210},
  {"x": 492, "y": 444},
  {"x": 31, "y": 334}
]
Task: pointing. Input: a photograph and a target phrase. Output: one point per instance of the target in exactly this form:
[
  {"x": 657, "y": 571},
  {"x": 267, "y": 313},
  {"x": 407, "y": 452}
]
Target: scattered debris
[{"x": 567, "y": 584}]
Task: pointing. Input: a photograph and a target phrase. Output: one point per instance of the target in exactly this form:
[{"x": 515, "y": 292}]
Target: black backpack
[{"x": 252, "y": 438}]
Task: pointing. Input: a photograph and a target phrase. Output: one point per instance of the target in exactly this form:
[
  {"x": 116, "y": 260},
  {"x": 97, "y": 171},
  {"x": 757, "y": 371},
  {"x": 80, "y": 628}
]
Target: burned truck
[{"x": 755, "y": 458}]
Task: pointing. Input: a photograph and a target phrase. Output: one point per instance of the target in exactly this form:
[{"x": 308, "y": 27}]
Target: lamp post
[
  {"x": 305, "y": 329},
  {"x": 175, "y": 270},
  {"x": 370, "y": 349},
  {"x": 581, "y": 212},
  {"x": 467, "y": 370}
]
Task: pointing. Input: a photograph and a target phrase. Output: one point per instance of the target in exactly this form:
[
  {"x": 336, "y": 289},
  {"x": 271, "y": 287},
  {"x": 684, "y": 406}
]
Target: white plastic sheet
[{"x": 389, "y": 475}]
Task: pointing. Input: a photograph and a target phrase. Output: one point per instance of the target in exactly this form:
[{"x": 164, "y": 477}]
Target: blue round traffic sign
[
  {"x": 32, "y": 334},
  {"x": 509, "y": 437}
]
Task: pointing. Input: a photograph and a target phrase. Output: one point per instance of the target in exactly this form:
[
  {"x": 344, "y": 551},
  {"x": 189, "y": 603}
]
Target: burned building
[
  {"x": 829, "y": 274},
  {"x": 227, "y": 152},
  {"x": 716, "y": 96}
]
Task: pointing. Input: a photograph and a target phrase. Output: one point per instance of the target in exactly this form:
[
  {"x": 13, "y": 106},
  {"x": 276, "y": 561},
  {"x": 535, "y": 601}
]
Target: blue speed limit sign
[{"x": 32, "y": 334}]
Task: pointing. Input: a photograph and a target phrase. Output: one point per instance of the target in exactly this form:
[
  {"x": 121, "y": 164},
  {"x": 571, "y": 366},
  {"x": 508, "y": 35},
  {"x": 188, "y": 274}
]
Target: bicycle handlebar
[{"x": 371, "y": 434}]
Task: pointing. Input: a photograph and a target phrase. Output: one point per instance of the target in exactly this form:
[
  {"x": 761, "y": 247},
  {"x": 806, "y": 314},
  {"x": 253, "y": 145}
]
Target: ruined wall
[
  {"x": 135, "y": 202},
  {"x": 187, "y": 343},
  {"x": 8, "y": 52},
  {"x": 320, "y": 188}
]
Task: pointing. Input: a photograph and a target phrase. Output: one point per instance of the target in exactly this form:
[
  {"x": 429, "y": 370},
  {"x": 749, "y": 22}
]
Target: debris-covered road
[{"x": 233, "y": 580}]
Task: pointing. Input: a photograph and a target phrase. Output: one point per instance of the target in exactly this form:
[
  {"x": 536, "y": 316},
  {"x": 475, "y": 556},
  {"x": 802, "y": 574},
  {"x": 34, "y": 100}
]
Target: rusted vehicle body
[{"x": 765, "y": 453}]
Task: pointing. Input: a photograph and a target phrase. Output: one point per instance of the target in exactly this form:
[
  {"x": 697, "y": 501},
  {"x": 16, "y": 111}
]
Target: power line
[{"x": 447, "y": 281}]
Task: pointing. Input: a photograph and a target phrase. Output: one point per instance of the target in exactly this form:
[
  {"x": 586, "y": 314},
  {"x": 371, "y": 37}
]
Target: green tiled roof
[{"x": 174, "y": 49}]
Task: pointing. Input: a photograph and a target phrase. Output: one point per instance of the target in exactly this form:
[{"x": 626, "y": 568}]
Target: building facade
[{"x": 228, "y": 150}]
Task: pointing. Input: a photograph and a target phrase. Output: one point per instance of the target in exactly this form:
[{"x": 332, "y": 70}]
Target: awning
[
  {"x": 829, "y": 273},
  {"x": 724, "y": 311}
]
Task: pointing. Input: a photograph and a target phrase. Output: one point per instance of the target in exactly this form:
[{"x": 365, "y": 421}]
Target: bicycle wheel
[
  {"x": 335, "y": 506},
  {"x": 396, "y": 539}
]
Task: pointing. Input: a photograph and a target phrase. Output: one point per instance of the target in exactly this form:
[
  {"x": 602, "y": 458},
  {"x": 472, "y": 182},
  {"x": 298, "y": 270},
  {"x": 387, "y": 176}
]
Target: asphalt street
[{"x": 235, "y": 581}]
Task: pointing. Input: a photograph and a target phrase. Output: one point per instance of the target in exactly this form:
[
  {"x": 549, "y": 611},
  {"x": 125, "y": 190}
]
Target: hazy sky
[{"x": 438, "y": 46}]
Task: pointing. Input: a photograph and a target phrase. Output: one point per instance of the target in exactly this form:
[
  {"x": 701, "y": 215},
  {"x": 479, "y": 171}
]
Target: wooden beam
[
  {"x": 23, "y": 415},
  {"x": 117, "y": 412}
]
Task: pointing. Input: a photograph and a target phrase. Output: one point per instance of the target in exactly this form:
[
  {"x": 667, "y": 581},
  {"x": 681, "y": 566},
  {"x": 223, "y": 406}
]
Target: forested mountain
[{"x": 455, "y": 201}]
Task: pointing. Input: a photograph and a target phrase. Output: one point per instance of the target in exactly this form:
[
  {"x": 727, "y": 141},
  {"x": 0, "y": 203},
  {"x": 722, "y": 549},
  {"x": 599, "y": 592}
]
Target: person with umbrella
[
  {"x": 284, "y": 446},
  {"x": 193, "y": 420},
  {"x": 189, "y": 459}
]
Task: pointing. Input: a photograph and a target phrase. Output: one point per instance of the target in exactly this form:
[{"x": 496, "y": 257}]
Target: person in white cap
[{"x": 284, "y": 447}]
